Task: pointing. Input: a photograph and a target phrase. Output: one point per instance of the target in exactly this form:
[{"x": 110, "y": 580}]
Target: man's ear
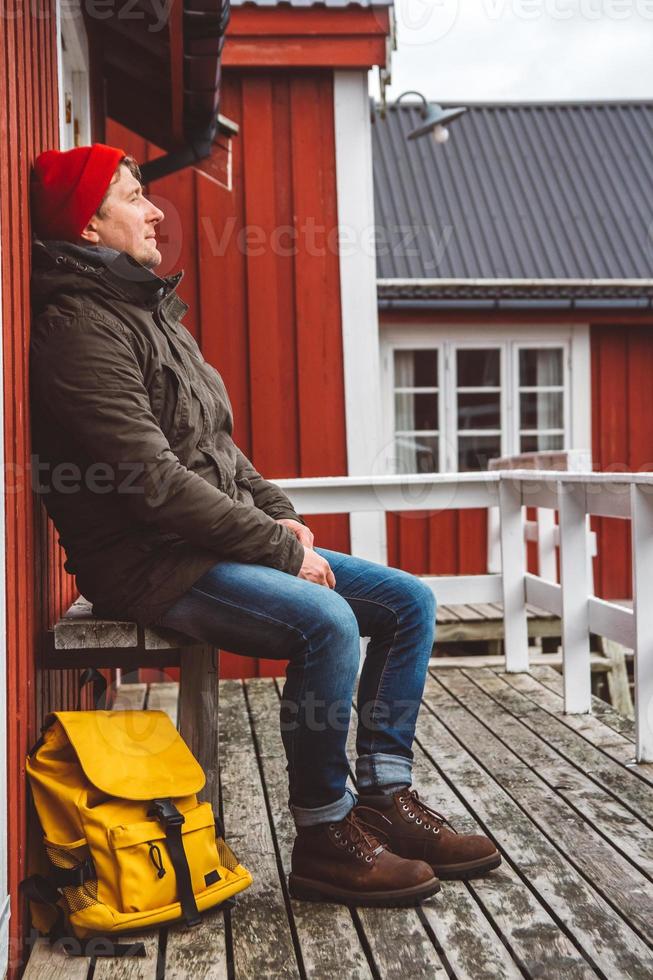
[{"x": 90, "y": 233}]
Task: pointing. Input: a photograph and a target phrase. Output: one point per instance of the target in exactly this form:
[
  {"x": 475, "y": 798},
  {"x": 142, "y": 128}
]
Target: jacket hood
[{"x": 66, "y": 268}]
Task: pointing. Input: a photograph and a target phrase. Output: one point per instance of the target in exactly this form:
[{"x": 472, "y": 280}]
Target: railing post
[
  {"x": 641, "y": 500},
  {"x": 513, "y": 572},
  {"x": 574, "y": 580}
]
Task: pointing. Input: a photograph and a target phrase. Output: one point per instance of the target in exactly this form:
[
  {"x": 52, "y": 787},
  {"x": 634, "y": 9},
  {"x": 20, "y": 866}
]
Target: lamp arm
[{"x": 425, "y": 104}]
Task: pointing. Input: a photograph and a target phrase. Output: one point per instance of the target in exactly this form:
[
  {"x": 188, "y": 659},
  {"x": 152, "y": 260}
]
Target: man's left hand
[{"x": 303, "y": 534}]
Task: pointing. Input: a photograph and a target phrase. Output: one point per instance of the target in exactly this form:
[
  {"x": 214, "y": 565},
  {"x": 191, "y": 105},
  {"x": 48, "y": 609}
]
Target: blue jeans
[{"x": 259, "y": 611}]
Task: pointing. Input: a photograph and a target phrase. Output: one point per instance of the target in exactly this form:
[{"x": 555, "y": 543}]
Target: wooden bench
[{"x": 79, "y": 639}]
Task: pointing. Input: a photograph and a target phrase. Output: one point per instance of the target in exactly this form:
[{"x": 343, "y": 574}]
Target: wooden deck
[{"x": 560, "y": 794}]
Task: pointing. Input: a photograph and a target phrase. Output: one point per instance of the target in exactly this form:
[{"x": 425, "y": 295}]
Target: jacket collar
[{"x": 107, "y": 266}]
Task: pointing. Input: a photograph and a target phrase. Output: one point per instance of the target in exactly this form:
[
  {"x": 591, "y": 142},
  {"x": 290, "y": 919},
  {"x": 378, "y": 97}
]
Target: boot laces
[
  {"x": 423, "y": 810},
  {"x": 360, "y": 835}
]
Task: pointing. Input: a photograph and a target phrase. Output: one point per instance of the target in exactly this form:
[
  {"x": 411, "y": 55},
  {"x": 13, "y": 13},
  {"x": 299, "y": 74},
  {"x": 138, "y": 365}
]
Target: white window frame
[
  {"x": 566, "y": 388},
  {"x": 448, "y": 337},
  {"x": 440, "y": 387},
  {"x": 73, "y": 72}
]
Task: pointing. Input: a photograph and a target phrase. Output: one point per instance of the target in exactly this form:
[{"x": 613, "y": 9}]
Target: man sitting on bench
[{"x": 164, "y": 521}]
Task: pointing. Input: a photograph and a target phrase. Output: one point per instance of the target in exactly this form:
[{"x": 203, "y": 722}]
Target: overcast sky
[{"x": 510, "y": 50}]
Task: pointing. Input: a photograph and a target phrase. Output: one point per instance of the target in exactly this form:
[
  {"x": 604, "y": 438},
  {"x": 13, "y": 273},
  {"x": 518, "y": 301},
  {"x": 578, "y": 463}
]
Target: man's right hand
[{"x": 316, "y": 569}]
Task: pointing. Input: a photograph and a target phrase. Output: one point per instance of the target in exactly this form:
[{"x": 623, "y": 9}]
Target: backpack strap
[
  {"x": 167, "y": 813},
  {"x": 92, "y": 675},
  {"x": 44, "y": 889}
]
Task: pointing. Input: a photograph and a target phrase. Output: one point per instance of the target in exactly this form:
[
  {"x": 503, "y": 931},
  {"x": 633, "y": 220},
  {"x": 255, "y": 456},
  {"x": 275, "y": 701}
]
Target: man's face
[{"x": 128, "y": 221}]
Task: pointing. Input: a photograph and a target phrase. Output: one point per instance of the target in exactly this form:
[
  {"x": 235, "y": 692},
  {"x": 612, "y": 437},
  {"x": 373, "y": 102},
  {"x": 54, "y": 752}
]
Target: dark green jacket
[{"x": 131, "y": 438}]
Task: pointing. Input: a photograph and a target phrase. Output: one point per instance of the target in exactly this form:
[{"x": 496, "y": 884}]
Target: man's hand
[
  {"x": 303, "y": 534},
  {"x": 314, "y": 568}
]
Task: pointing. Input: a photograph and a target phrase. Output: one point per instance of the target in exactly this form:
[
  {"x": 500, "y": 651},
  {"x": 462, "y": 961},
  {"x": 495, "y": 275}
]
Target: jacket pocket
[
  {"x": 145, "y": 873},
  {"x": 170, "y": 401}
]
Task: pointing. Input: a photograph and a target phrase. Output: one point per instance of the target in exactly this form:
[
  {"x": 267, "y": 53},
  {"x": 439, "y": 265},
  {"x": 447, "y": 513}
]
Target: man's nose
[{"x": 156, "y": 214}]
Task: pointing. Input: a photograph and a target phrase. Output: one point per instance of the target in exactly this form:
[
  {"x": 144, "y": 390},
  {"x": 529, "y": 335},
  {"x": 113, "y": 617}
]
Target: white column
[
  {"x": 513, "y": 572},
  {"x": 574, "y": 579},
  {"x": 360, "y": 326},
  {"x": 642, "y": 537}
]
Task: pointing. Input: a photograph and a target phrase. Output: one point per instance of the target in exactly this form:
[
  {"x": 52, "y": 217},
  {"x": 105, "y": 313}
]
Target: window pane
[
  {"x": 540, "y": 410},
  {"x": 540, "y": 443},
  {"x": 475, "y": 451},
  {"x": 416, "y": 368},
  {"x": 540, "y": 367},
  {"x": 416, "y": 454},
  {"x": 478, "y": 368},
  {"x": 416, "y": 411},
  {"x": 479, "y": 411}
]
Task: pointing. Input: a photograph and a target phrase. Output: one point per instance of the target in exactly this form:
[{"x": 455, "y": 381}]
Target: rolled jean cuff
[
  {"x": 329, "y": 813},
  {"x": 382, "y": 769}
]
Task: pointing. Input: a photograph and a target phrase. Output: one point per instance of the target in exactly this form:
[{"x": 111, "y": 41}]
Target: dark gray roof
[{"x": 520, "y": 191}]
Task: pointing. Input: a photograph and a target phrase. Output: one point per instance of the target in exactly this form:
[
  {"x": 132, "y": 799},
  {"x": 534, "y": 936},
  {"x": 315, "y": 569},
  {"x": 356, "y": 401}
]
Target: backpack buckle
[{"x": 165, "y": 811}]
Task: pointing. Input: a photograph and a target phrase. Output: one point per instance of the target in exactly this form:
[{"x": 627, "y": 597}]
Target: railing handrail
[{"x": 575, "y": 495}]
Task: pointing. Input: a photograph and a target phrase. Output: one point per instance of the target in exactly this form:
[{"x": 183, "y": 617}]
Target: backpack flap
[{"x": 134, "y": 755}]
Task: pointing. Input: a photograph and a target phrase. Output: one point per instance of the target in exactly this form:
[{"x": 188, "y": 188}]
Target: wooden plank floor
[{"x": 559, "y": 794}]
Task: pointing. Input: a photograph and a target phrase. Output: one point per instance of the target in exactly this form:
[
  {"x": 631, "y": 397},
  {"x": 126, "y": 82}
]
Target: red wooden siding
[
  {"x": 37, "y": 586},
  {"x": 622, "y": 427},
  {"x": 263, "y": 283},
  {"x": 307, "y": 37}
]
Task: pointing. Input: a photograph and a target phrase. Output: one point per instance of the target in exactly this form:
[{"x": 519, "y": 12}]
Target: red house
[{"x": 516, "y": 304}]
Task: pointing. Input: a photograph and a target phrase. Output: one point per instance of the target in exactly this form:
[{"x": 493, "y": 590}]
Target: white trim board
[{"x": 358, "y": 297}]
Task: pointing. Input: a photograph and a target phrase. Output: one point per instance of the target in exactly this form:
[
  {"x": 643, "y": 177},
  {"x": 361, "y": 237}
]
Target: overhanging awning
[{"x": 157, "y": 65}]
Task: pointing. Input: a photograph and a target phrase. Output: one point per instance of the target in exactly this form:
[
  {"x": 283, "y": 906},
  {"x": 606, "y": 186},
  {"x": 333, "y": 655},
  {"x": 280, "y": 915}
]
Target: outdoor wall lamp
[{"x": 434, "y": 118}]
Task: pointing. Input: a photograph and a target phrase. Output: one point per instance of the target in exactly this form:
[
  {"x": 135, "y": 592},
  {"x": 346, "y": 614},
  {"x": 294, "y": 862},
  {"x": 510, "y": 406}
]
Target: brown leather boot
[
  {"x": 345, "y": 862},
  {"x": 415, "y": 830}
]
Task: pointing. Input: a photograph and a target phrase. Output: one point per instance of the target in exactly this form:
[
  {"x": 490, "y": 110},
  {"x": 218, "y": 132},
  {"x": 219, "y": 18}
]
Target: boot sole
[
  {"x": 318, "y": 891},
  {"x": 468, "y": 869}
]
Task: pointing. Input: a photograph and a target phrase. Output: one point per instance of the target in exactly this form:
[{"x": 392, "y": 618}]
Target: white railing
[{"x": 575, "y": 496}]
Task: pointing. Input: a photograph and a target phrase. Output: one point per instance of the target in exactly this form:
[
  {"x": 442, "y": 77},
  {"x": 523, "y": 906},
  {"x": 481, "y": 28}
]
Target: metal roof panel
[{"x": 520, "y": 190}]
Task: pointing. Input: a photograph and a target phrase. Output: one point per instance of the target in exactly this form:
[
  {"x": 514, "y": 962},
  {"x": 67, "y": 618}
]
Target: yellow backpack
[{"x": 128, "y": 843}]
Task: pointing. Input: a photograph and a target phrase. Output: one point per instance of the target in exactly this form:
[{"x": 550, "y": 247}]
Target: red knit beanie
[{"x": 68, "y": 187}]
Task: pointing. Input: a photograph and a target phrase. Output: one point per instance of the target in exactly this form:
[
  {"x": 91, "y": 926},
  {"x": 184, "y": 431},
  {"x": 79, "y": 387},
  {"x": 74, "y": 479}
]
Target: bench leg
[{"x": 198, "y": 713}]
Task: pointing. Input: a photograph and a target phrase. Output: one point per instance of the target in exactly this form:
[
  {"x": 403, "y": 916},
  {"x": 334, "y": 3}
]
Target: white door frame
[{"x": 358, "y": 299}]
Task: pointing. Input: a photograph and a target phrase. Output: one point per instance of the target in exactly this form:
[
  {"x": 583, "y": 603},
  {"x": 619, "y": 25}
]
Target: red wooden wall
[
  {"x": 263, "y": 284},
  {"x": 37, "y": 586},
  {"x": 622, "y": 434}
]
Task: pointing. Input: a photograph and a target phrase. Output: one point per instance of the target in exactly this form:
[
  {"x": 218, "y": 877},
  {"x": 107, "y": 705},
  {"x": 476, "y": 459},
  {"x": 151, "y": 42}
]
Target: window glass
[
  {"x": 478, "y": 406},
  {"x": 541, "y": 399},
  {"x": 416, "y": 454},
  {"x": 479, "y": 368},
  {"x": 479, "y": 410},
  {"x": 475, "y": 451}
]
